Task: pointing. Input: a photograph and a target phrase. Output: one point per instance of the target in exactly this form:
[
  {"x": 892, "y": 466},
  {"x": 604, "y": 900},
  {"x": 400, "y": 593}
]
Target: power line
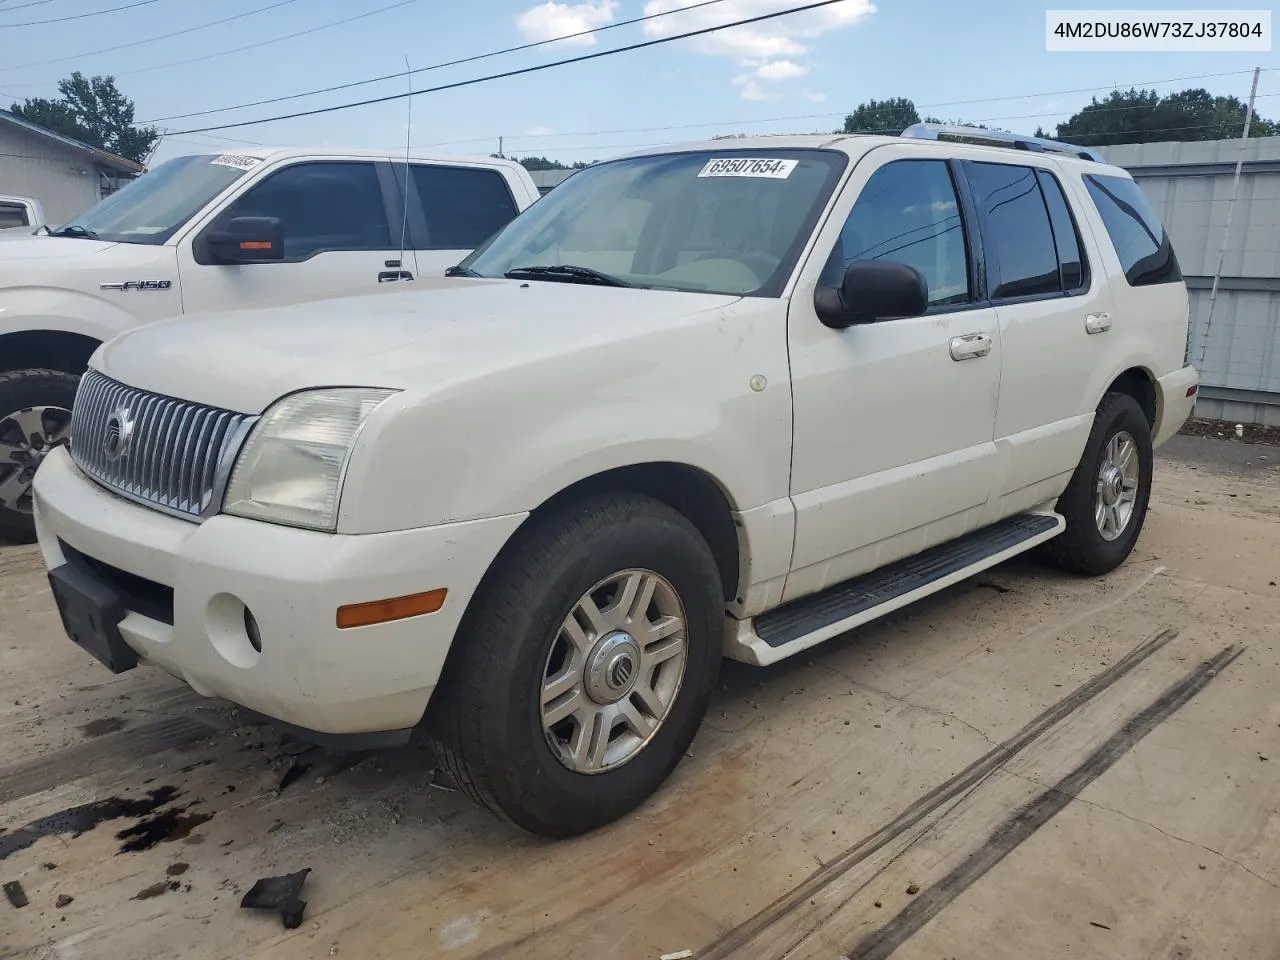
[
  {"x": 146, "y": 40},
  {"x": 840, "y": 113},
  {"x": 267, "y": 43},
  {"x": 439, "y": 66},
  {"x": 523, "y": 70},
  {"x": 23, "y": 6},
  {"x": 77, "y": 16}
]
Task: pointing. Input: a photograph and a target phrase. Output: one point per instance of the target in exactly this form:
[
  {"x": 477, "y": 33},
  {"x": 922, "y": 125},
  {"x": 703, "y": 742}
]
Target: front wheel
[
  {"x": 1105, "y": 503},
  {"x": 584, "y": 668}
]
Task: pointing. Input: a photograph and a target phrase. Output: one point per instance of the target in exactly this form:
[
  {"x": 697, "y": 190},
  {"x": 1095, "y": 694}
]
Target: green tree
[
  {"x": 94, "y": 111},
  {"x": 542, "y": 163},
  {"x": 1143, "y": 116},
  {"x": 883, "y": 116}
]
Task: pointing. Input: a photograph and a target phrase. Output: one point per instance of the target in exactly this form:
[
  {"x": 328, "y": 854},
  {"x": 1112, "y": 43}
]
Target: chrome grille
[{"x": 176, "y": 457}]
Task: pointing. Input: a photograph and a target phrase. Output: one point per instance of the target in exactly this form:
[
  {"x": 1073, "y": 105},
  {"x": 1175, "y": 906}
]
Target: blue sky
[{"x": 793, "y": 74}]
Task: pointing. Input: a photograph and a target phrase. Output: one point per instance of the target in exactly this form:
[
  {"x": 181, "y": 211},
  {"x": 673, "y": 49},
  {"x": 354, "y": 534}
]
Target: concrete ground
[{"x": 1028, "y": 766}]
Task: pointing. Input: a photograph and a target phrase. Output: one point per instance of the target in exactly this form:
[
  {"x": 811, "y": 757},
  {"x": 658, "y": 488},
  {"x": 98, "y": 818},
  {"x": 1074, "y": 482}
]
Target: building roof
[{"x": 98, "y": 156}]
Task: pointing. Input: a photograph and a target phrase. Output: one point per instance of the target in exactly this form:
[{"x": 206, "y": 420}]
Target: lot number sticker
[
  {"x": 749, "y": 167},
  {"x": 239, "y": 161}
]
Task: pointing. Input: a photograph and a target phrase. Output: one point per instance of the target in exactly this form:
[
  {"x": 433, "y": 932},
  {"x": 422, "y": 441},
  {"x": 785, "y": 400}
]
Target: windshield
[
  {"x": 153, "y": 207},
  {"x": 728, "y": 222}
]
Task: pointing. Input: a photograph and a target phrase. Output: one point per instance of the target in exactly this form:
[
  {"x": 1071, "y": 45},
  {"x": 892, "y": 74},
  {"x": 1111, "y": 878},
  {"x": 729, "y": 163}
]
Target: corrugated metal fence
[{"x": 1238, "y": 355}]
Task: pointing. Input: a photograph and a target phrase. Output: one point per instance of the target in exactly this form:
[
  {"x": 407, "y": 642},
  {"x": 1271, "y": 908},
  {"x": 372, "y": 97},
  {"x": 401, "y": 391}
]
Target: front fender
[
  {"x": 31, "y": 308},
  {"x": 505, "y": 441}
]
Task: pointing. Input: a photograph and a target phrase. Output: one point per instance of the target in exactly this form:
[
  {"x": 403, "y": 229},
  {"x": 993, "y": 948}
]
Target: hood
[
  {"x": 442, "y": 331},
  {"x": 44, "y": 247}
]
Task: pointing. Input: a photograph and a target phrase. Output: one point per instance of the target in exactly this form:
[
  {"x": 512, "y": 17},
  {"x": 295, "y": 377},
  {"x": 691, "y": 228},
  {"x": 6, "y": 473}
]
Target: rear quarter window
[{"x": 1140, "y": 240}]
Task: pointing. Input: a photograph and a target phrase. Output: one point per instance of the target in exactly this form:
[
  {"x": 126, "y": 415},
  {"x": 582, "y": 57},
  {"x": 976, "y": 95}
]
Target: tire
[
  {"x": 486, "y": 720},
  {"x": 22, "y": 395},
  {"x": 1084, "y": 548}
]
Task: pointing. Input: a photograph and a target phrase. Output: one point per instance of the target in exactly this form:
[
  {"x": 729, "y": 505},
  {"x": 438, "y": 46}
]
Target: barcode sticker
[
  {"x": 749, "y": 167},
  {"x": 239, "y": 161}
]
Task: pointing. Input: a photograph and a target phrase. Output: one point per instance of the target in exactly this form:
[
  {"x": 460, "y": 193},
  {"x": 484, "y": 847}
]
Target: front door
[
  {"x": 338, "y": 238},
  {"x": 893, "y": 448}
]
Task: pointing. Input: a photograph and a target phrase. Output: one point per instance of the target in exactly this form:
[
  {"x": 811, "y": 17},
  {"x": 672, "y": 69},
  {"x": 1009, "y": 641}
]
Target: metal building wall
[
  {"x": 63, "y": 180},
  {"x": 1190, "y": 185}
]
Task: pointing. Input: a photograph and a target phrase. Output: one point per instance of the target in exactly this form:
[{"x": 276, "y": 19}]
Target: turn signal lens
[{"x": 384, "y": 611}]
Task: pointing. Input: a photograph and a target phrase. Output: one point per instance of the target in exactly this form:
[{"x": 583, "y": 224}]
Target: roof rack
[{"x": 957, "y": 133}]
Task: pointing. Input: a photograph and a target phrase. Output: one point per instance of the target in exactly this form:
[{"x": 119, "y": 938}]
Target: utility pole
[
  {"x": 500, "y": 144},
  {"x": 1231, "y": 206}
]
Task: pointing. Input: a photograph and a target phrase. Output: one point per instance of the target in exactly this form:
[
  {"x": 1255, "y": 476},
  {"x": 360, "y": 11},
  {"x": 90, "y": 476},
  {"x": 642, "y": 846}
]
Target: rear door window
[
  {"x": 1022, "y": 260},
  {"x": 13, "y": 215},
  {"x": 1140, "y": 241},
  {"x": 1066, "y": 236},
  {"x": 463, "y": 206}
]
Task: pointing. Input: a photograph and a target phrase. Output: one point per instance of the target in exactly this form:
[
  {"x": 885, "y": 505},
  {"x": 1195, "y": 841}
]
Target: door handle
[
  {"x": 970, "y": 346},
  {"x": 1097, "y": 323},
  {"x": 390, "y": 276}
]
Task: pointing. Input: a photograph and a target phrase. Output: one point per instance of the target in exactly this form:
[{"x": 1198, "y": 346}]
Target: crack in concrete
[
  {"x": 1160, "y": 830},
  {"x": 905, "y": 702}
]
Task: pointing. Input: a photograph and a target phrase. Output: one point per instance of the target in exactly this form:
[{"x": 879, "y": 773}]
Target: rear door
[
  {"x": 339, "y": 234},
  {"x": 1053, "y": 302},
  {"x": 453, "y": 210}
]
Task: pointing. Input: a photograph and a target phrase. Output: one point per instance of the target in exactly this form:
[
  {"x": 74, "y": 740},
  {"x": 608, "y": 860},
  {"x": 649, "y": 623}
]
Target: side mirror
[
  {"x": 871, "y": 291},
  {"x": 247, "y": 240}
]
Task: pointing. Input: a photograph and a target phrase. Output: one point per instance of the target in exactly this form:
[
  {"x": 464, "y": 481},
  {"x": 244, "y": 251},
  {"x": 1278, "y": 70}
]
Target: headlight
[{"x": 291, "y": 468}]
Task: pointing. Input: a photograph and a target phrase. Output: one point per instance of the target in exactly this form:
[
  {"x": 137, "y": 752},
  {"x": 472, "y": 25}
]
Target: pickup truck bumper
[
  {"x": 1175, "y": 399},
  {"x": 181, "y": 591}
]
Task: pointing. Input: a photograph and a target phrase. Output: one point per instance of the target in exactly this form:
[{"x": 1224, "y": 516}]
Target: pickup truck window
[
  {"x": 12, "y": 215},
  {"x": 908, "y": 212},
  {"x": 1017, "y": 234},
  {"x": 152, "y": 208},
  {"x": 322, "y": 206},
  {"x": 463, "y": 206},
  {"x": 724, "y": 222}
]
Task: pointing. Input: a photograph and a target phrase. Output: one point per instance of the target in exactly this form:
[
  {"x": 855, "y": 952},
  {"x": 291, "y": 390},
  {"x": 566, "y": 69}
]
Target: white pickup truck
[{"x": 214, "y": 232}]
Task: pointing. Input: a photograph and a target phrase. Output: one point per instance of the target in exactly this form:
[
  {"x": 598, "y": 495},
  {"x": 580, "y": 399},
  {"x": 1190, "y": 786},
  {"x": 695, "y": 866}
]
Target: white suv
[{"x": 719, "y": 400}]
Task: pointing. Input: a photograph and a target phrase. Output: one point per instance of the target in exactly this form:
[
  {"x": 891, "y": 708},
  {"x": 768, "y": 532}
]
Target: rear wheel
[
  {"x": 35, "y": 417},
  {"x": 585, "y": 666},
  {"x": 1105, "y": 503}
]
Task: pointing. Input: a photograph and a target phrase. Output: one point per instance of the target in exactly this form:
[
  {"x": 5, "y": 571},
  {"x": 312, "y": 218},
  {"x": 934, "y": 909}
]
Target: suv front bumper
[{"x": 182, "y": 589}]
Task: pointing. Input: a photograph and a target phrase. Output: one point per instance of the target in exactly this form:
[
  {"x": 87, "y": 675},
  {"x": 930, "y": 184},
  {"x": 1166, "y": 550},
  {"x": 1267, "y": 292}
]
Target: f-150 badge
[{"x": 139, "y": 285}]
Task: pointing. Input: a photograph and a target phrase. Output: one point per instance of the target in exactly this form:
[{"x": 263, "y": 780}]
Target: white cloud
[
  {"x": 771, "y": 71},
  {"x": 538, "y": 131},
  {"x": 551, "y": 20},
  {"x": 782, "y": 37},
  {"x": 753, "y": 91},
  {"x": 781, "y": 70},
  {"x": 813, "y": 96}
]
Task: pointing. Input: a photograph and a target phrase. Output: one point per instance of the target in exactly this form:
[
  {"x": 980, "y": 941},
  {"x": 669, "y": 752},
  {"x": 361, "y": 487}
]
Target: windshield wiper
[
  {"x": 566, "y": 273},
  {"x": 460, "y": 271},
  {"x": 74, "y": 230}
]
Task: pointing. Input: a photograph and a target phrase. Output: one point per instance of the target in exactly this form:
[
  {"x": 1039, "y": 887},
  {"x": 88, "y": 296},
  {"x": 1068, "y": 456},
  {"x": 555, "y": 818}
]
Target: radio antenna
[{"x": 408, "y": 134}]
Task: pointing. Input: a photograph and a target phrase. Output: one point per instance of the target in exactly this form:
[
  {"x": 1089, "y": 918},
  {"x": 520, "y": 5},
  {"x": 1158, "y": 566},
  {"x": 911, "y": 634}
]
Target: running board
[{"x": 802, "y": 623}]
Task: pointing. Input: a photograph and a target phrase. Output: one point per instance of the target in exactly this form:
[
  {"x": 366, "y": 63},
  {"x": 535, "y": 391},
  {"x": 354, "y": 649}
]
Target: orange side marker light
[{"x": 396, "y": 608}]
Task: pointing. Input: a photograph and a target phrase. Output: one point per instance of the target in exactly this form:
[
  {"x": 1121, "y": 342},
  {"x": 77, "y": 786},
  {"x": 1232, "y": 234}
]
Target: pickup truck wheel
[
  {"x": 35, "y": 417},
  {"x": 584, "y": 668},
  {"x": 1106, "y": 501}
]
